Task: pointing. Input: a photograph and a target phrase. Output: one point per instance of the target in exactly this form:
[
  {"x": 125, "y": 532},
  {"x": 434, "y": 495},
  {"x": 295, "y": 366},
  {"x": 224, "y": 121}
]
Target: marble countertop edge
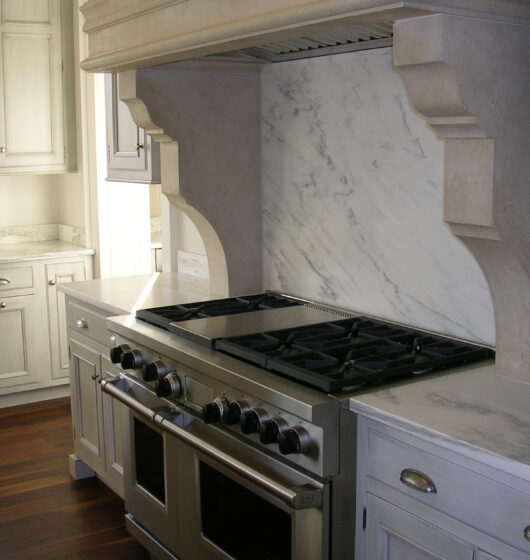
[
  {"x": 472, "y": 451},
  {"x": 33, "y": 251}
]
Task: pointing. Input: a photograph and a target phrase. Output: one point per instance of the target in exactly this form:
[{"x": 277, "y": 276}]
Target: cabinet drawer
[
  {"x": 463, "y": 494},
  {"x": 87, "y": 322},
  {"x": 16, "y": 278}
]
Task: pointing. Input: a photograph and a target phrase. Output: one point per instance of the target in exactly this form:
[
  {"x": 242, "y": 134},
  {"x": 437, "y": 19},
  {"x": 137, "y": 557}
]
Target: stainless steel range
[{"x": 238, "y": 446}]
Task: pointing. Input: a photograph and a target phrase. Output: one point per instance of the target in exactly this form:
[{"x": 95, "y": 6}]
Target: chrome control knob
[
  {"x": 132, "y": 359},
  {"x": 155, "y": 370},
  {"x": 234, "y": 411},
  {"x": 250, "y": 421},
  {"x": 213, "y": 412},
  {"x": 270, "y": 430},
  {"x": 117, "y": 351},
  {"x": 168, "y": 386},
  {"x": 294, "y": 440}
]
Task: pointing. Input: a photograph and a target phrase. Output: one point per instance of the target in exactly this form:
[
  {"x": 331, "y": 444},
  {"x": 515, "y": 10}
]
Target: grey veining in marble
[
  {"x": 28, "y": 234},
  {"x": 478, "y": 412},
  {"x": 352, "y": 198},
  {"x": 44, "y": 232}
]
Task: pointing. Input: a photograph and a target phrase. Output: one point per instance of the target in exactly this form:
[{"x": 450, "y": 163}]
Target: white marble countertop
[
  {"x": 35, "y": 250},
  {"x": 119, "y": 296},
  {"x": 475, "y": 412}
]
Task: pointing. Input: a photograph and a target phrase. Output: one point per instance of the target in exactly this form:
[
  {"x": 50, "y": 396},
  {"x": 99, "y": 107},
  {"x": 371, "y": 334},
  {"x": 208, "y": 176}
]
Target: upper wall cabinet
[
  {"x": 37, "y": 113},
  {"x": 131, "y": 155}
]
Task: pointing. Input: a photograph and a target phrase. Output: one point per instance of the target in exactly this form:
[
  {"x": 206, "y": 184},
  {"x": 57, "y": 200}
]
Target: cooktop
[{"x": 319, "y": 348}]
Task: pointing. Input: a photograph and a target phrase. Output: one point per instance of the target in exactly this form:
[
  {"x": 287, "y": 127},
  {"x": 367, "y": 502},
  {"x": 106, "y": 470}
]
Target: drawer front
[
  {"x": 87, "y": 322},
  {"x": 16, "y": 278},
  {"x": 472, "y": 498}
]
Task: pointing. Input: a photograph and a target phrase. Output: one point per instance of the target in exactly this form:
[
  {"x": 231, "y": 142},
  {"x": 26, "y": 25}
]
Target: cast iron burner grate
[
  {"x": 350, "y": 352},
  {"x": 162, "y": 316}
]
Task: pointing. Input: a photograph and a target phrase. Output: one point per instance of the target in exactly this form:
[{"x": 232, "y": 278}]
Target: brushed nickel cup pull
[
  {"x": 52, "y": 282},
  {"x": 3, "y": 305},
  {"x": 5, "y": 281},
  {"x": 527, "y": 533},
  {"x": 417, "y": 481},
  {"x": 81, "y": 324}
]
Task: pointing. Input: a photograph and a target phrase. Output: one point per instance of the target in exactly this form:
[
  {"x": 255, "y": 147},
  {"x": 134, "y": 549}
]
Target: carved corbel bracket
[
  {"x": 470, "y": 78},
  {"x": 206, "y": 116}
]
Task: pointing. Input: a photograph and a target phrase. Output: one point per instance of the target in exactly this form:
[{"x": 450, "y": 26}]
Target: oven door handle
[
  {"x": 300, "y": 497},
  {"x": 113, "y": 386}
]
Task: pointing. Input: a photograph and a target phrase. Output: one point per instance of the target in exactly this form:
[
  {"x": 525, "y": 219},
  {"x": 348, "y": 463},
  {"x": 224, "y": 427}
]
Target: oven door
[
  {"x": 235, "y": 502},
  {"x": 150, "y": 461}
]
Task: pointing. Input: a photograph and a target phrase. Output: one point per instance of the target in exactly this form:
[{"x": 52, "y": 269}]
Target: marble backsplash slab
[
  {"x": 352, "y": 198},
  {"x": 43, "y": 232}
]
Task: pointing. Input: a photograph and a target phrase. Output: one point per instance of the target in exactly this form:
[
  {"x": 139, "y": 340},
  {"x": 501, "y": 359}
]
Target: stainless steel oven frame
[{"x": 176, "y": 524}]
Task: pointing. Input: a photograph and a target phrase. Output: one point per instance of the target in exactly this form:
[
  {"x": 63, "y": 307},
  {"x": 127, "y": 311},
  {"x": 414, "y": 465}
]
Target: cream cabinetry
[
  {"x": 96, "y": 416},
  {"x": 21, "y": 342},
  {"x": 33, "y": 333},
  {"x": 418, "y": 500},
  {"x": 36, "y": 116},
  {"x": 131, "y": 154}
]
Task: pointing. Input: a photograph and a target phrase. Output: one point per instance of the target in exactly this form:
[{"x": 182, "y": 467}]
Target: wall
[
  {"x": 352, "y": 198},
  {"x": 28, "y": 199}
]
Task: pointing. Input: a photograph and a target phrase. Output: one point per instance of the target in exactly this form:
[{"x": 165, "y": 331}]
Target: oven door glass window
[
  {"x": 239, "y": 522},
  {"x": 149, "y": 460}
]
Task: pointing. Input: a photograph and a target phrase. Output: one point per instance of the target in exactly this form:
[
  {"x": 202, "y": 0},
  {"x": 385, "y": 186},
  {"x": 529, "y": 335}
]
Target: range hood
[
  {"x": 355, "y": 38},
  {"x": 464, "y": 64}
]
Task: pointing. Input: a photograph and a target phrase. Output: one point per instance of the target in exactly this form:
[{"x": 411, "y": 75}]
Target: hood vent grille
[{"x": 358, "y": 38}]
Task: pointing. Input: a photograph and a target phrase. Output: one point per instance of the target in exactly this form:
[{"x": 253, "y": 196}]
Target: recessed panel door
[
  {"x": 393, "y": 534},
  {"x": 23, "y": 349},
  {"x": 85, "y": 371}
]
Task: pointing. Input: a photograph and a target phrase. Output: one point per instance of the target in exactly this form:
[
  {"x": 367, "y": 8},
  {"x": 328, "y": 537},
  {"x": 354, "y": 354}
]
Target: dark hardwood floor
[{"x": 45, "y": 514}]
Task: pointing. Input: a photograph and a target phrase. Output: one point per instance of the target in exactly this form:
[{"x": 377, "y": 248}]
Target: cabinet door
[
  {"x": 87, "y": 415},
  {"x": 31, "y": 98},
  {"x": 131, "y": 155},
  {"x": 23, "y": 347},
  {"x": 60, "y": 273},
  {"x": 393, "y": 534},
  {"x": 113, "y": 413}
]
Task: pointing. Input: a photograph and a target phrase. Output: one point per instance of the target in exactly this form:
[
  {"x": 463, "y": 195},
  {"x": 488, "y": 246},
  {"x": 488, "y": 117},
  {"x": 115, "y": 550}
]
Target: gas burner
[{"x": 351, "y": 352}]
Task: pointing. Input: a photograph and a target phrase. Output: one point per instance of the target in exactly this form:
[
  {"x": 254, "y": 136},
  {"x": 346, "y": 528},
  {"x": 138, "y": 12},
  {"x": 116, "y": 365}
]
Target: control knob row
[
  {"x": 290, "y": 440},
  {"x": 167, "y": 383}
]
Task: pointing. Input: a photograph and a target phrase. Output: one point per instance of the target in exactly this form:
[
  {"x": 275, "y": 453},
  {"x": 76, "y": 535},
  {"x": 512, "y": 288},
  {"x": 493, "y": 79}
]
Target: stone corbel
[
  {"x": 470, "y": 80},
  {"x": 206, "y": 116}
]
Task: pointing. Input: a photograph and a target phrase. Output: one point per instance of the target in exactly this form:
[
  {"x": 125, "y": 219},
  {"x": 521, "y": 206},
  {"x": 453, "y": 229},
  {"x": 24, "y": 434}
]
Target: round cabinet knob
[
  {"x": 294, "y": 440},
  {"x": 250, "y": 420},
  {"x": 117, "y": 351},
  {"x": 132, "y": 359},
  {"x": 155, "y": 370},
  {"x": 169, "y": 386},
  {"x": 3, "y": 305},
  {"x": 81, "y": 323},
  {"x": 234, "y": 411},
  {"x": 52, "y": 282},
  {"x": 269, "y": 431}
]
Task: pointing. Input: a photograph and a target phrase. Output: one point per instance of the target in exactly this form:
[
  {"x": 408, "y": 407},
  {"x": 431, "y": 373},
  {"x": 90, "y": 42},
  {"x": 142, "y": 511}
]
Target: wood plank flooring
[{"x": 44, "y": 513}]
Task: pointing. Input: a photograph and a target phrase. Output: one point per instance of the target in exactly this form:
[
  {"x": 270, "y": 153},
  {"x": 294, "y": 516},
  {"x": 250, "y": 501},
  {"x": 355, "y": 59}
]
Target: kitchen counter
[
  {"x": 474, "y": 412},
  {"x": 35, "y": 250},
  {"x": 127, "y": 294}
]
